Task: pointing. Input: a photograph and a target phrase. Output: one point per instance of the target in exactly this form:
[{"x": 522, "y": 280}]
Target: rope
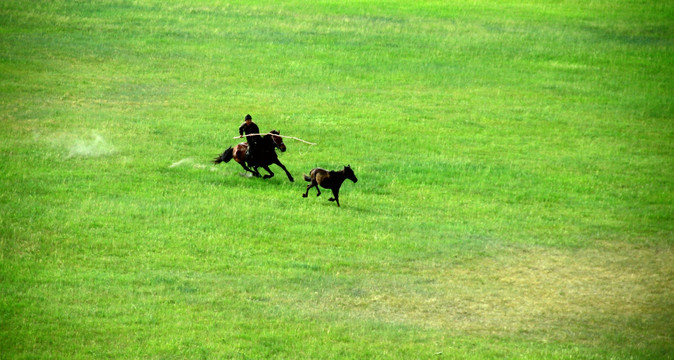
[{"x": 283, "y": 136}]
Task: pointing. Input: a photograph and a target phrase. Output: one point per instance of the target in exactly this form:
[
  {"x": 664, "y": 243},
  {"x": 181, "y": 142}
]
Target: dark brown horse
[
  {"x": 329, "y": 180},
  {"x": 265, "y": 155}
]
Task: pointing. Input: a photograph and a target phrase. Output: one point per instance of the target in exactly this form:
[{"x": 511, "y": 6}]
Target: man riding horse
[
  {"x": 259, "y": 151},
  {"x": 249, "y": 128}
]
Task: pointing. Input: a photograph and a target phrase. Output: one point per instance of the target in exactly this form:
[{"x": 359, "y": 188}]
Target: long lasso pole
[{"x": 283, "y": 136}]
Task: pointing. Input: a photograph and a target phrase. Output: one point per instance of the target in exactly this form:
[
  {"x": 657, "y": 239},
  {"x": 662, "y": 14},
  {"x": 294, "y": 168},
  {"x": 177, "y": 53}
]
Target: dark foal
[{"x": 329, "y": 180}]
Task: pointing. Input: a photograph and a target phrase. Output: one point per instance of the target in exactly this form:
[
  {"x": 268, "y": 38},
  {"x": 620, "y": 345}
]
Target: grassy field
[{"x": 515, "y": 195}]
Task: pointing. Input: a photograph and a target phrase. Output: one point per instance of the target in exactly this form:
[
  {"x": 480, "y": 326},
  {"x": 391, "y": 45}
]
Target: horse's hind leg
[
  {"x": 254, "y": 172},
  {"x": 306, "y": 193},
  {"x": 313, "y": 184},
  {"x": 318, "y": 188}
]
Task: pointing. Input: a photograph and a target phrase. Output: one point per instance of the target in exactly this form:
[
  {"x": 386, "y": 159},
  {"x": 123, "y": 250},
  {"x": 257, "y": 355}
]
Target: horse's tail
[
  {"x": 225, "y": 156},
  {"x": 307, "y": 177}
]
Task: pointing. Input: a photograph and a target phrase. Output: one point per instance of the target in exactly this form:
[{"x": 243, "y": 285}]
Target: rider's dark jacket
[
  {"x": 253, "y": 141},
  {"x": 250, "y": 129}
]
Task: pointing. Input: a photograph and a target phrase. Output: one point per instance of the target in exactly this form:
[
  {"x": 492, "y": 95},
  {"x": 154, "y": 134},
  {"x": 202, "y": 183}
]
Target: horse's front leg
[
  {"x": 290, "y": 177},
  {"x": 335, "y": 194},
  {"x": 271, "y": 173}
]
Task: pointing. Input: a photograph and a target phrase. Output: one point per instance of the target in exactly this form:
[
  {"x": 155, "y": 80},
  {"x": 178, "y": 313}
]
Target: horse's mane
[
  {"x": 268, "y": 136},
  {"x": 268, "y": 142}
]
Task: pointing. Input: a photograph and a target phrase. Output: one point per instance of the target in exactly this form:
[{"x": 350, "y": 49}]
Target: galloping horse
[
  {"x": 330, "y": 180},
  {"x": 265, "y": 155}
]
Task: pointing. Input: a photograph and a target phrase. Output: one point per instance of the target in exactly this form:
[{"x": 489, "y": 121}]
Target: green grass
[{"x": 515, "y": 194}]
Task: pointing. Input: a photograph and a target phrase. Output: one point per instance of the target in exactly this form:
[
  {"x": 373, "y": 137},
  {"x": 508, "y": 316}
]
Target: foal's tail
[
  {"x": 307, "y": 177},
  {"x": 225, "y": 156}
]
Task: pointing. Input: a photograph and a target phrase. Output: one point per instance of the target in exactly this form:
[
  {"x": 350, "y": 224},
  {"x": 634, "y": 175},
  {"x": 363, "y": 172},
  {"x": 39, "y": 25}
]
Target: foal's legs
[
  {"x": 335, "y": 194},
  {"x": 313, "y": 184}
]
